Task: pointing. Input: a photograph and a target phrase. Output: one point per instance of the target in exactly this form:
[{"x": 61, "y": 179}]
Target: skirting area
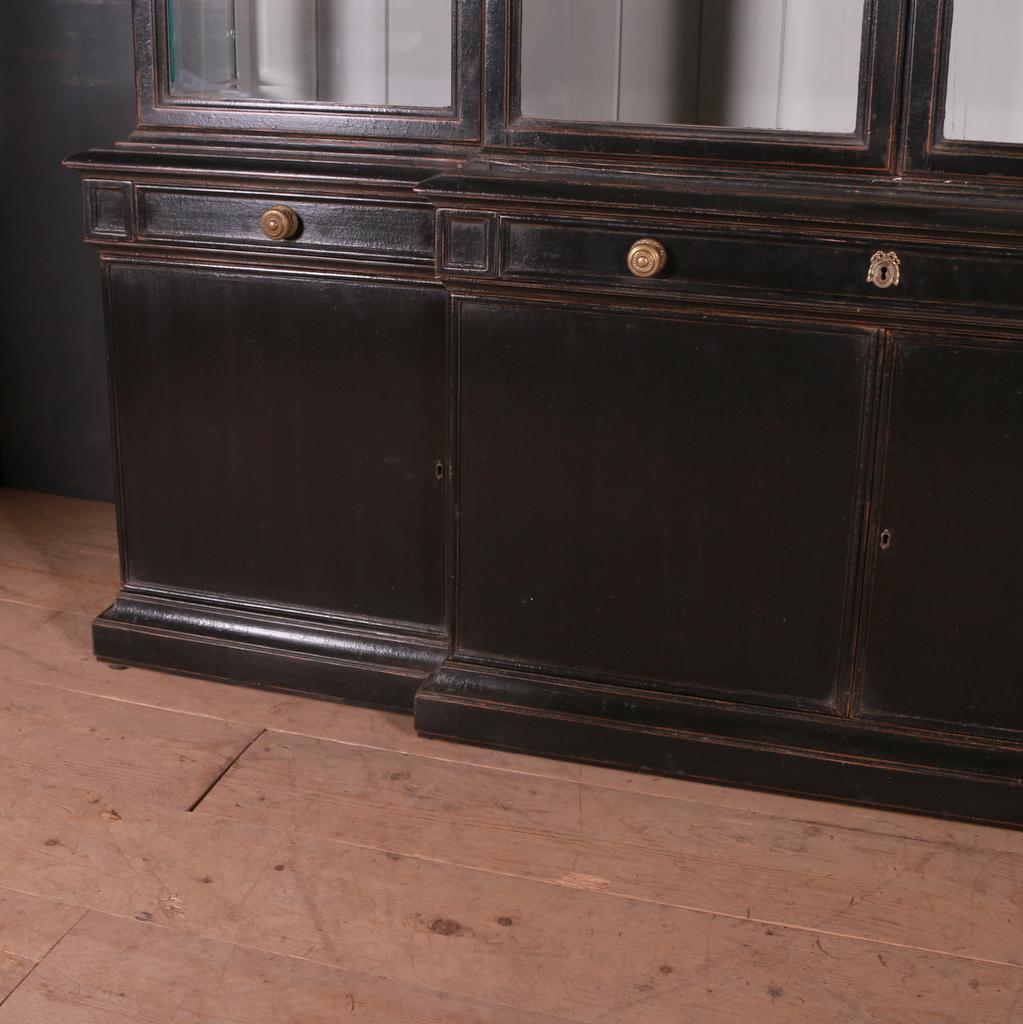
[{"x": 179, "y": 851}]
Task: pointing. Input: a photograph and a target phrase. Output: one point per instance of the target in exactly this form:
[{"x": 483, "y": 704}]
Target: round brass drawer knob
[
  {"x": 647, "y": 258},
  {"x": 280, "y": 223},
  {"x": 885, "y": 270}
]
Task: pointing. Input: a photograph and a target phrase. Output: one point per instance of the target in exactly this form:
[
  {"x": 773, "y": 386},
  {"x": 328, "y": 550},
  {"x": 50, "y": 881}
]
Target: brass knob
[
  {"x": 647, "y": 258},
  {"x": 885, "y": 270},
  {"x": 280, "y": 223}
]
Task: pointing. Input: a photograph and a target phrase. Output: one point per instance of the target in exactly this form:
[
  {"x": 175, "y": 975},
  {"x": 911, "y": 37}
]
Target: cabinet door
[
  {"x": 671, "y": 501},
  {"x": 395, "y": 68},
  {"x": 944, "y": 637},
  {"x": 795, "y": 81},
  {"x": 966, "y": 89},
  {"x": 279, "y": 438}
]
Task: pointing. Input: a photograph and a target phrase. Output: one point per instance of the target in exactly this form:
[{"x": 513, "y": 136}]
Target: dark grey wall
[{"x": 65, "y": 85}]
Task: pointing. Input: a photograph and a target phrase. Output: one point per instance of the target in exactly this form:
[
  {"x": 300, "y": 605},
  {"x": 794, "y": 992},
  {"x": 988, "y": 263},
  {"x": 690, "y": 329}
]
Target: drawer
[
  {"x": 760, "y": 264},
  {"x": 363, "y": 229}
]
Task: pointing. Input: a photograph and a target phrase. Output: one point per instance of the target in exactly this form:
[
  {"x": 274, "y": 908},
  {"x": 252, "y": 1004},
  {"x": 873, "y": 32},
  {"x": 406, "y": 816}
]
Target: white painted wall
[
  {"x": 984, "y": 101},
  {"x": 569, "y": 62},
  {"x": 741, "y": 62},
  {"x": 203, "y": 32},
  {"x": 419, "y": 52},
  {"x": 352, "y": 52},
  {"x": 775, "y": 64},
  {"x": 820, "y": 71},
  {"x": 377, "y": 52},
  {"x": 284, "y": 56},
  {"x": 659, "y": 67}
]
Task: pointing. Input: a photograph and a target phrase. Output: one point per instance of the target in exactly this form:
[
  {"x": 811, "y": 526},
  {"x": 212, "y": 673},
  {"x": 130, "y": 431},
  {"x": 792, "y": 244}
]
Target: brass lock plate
[{"x": 885, "y": 270}]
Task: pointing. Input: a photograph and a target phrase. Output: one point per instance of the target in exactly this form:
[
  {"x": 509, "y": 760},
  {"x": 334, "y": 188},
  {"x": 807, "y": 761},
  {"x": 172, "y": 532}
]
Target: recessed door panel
[
  {"x": 280, "y": 437},
  {"x": 945, "y": 642},
  {"x": 660, "y": 499}
]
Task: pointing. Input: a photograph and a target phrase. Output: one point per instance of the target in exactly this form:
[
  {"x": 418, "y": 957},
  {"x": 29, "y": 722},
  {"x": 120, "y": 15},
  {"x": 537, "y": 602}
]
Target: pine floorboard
[
  {"x": 741, "y": 863},
  {"x": 30, "y": 927},
  {"x": 126, "y": 752},
  {"x": 339, "y": 867},
  {"x": 57, "y": 552},
  {"x": 111, "y": 971},
  {"x": 13, "y": 971}
]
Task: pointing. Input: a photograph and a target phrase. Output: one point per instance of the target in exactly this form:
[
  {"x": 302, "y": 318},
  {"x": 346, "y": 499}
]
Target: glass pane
[
  {"x": 792, "y": 65},
  {"x": 350, "y": 52},
  {"x": 984, "y": 97}
]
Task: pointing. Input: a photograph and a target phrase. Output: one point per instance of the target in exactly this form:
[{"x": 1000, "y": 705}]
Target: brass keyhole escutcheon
[
  {"x": 885, "y": 270},
  {"x": 647, "y": 258},
  {"x": 280, "y": 223}
]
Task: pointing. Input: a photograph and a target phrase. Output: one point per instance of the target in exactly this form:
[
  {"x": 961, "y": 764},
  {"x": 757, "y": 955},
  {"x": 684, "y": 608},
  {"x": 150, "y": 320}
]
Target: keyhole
[
  {"x": 438, "y": 470},
  {"x": 883, "y": 274},
  {"x": 886, "y": 539}
]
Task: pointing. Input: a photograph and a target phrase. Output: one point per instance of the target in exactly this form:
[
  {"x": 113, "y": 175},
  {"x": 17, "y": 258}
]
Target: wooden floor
[{"x": 174, "y": 851}]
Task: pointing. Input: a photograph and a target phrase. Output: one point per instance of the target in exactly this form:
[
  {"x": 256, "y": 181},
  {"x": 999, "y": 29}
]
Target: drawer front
[
  {"x": 761, "y": 264},
  {"x": 387, "y": 232}
]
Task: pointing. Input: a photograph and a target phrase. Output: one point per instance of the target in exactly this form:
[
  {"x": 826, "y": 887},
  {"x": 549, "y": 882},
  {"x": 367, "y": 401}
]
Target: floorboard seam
[
  {"x": 31, "y": 971},
  {"x": 234, "y": 760},
  {"x": 4, "y": 888},
  {"x": 53, "y": 574},
  {"x": 115, "y": 699},
  {"x": 81, "y": 917},
  {"x": 36, "y": 964},
  {"x": 47, "y": 608}
]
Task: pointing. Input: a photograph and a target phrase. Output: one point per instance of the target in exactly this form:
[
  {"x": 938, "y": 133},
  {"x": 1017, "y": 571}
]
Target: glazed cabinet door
[
  {"x": 670, "y": 502},
  {"x": 789, "y": 81},
  {"x": 382, "y": 68},
  {"x": 281, "y": 438},
  {"x": 944, "y": 643},
  {"x": 966, "y": 88}
]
